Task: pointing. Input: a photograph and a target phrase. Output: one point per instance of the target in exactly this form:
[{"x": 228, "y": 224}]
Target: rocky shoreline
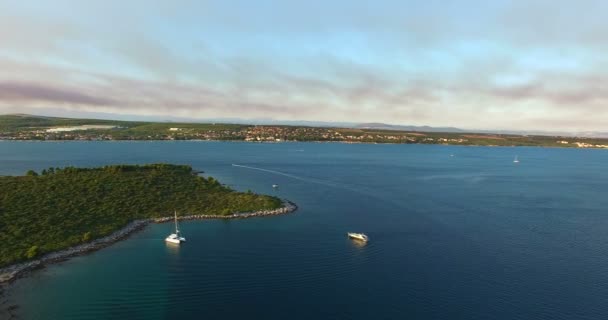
[
  {"x": 13, "y": 272},
  {"x": 288, "y": 207}
]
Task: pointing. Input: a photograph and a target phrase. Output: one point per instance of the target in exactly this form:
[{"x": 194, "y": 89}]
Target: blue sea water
[{"x": 468, "y": 236}]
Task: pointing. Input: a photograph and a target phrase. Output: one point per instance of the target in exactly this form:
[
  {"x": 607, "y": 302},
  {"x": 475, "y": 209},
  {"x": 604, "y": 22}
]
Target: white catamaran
[{"x": 175, "y": 237}]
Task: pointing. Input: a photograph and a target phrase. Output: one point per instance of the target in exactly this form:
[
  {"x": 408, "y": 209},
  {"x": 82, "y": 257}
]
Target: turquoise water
[{"x": 468, "y": 236}]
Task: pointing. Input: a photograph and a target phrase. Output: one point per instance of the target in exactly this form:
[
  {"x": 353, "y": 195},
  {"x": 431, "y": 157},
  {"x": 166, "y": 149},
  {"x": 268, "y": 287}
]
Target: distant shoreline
[
  {"x": 11, "y": 273},
  {"x": 31, "y": 127},
  {"x": 281, "y": 142}
]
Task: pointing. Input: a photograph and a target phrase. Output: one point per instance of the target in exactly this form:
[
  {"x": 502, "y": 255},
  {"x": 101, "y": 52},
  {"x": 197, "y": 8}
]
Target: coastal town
[{"x": 58, "y": 129}]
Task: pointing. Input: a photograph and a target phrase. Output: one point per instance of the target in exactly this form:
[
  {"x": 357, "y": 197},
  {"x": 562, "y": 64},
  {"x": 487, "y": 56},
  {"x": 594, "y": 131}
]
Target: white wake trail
[
  {"x": 273, "y": 171},
  {"x": 356, "y": 189},
  {"x": 309, "y": 180}
]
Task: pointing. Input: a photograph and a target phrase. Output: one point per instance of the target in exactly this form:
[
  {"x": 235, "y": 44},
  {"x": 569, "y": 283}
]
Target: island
[
  {"x": 60, "y": 212},
  {"x": 31, "y": 127}
]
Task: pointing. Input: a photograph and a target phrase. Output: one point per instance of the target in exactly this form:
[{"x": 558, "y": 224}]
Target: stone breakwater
[
  {"x": 12, "y": 272},
  {"x": 288, "y": 207}
]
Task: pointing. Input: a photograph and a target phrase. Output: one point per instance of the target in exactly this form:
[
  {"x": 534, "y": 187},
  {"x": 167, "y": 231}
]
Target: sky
[{"x": 516, "y": 65}]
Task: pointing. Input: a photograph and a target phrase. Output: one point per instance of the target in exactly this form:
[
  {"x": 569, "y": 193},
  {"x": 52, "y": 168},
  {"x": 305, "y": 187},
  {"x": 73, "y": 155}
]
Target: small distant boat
[
  {"x": 275, "y": 186},
  {"x": 358, "y": 236},
  {"x": 175, "y": 237},
  {"x": 516, "y": 160}
]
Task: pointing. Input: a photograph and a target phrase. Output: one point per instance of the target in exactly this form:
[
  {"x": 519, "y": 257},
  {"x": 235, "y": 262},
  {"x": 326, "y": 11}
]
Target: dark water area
[{"x": 455, "y": 233}]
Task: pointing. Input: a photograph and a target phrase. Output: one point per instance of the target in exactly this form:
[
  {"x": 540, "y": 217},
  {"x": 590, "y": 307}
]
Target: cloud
[
  {"x": 360, "y": 94},
  {"x": 16, "y": 92}
]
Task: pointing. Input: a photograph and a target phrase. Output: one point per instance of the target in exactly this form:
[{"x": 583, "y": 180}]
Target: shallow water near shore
[{"x": 468, "y": 236}]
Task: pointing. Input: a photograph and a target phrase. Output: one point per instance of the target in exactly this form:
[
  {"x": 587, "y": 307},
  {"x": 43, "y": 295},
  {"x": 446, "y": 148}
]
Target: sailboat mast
[{"x": 176, "y": 228}]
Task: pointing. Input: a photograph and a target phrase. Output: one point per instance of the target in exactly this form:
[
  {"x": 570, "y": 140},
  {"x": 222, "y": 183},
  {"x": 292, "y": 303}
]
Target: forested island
[
  {"x": 28, "y": 127},
  {"x": 58, "y": 208}
]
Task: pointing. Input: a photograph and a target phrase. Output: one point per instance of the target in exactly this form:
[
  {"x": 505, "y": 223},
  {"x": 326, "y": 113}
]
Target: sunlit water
[{"x": 469, "y": 236}]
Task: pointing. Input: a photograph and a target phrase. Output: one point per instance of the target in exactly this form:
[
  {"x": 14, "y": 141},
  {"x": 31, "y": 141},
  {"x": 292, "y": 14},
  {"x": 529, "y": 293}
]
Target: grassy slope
[
  {"x": 70, "y": 206},
  {"x": 12, "y": 123},
  {"x": 125, "y": 130}
]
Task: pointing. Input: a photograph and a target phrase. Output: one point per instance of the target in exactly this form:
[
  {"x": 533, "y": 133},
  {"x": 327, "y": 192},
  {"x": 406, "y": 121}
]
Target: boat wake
[
  {"x": 359, "y": 189},
  {"x": 271, "y": 171},
  {"x": 470, "y": 178},
  {"x": 310, "y": 180}
]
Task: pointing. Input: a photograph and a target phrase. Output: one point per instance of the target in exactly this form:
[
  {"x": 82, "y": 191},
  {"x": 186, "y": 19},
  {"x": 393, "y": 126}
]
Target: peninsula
[
  {"x": 28, "y": 127},
  {"x": 61, "y": 212}
]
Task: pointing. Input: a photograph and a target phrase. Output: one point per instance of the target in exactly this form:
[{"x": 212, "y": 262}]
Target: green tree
[
  {"x": 31, "y": 252},
  {"x": 31, "y": 173}
]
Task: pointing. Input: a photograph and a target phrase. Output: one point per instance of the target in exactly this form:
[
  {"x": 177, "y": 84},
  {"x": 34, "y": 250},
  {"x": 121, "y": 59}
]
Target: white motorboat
[{"x": 358, "y": 236}]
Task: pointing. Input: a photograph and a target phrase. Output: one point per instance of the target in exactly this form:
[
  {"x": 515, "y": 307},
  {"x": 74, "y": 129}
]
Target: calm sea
[{"x": 456, "y": 233}]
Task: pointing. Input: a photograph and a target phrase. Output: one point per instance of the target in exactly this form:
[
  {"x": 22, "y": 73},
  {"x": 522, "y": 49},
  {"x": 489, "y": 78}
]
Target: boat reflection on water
[
  {"x": 359, "y": 244},
  {"x": 172, "y": 248}
]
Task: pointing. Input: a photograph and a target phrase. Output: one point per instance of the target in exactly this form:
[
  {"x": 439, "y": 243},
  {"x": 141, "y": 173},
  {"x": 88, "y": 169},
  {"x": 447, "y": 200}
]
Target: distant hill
[
  {"x": 23, "y": 115},
  {"x": 582, "y": 134},
  {"x": 384, "y": 126},
  {"x": 18, "y": 121}
]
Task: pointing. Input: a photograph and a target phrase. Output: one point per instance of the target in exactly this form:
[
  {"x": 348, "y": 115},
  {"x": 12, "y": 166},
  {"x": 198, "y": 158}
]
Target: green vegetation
[
  {"x": 28, "y": 127},
  {"x": 58, "y": 208},
  {"x": 18, "y": 122}
]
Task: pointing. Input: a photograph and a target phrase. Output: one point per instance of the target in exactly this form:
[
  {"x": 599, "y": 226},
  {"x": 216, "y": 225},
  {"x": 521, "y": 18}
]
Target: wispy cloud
[{"x": 16, "y": 92}]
